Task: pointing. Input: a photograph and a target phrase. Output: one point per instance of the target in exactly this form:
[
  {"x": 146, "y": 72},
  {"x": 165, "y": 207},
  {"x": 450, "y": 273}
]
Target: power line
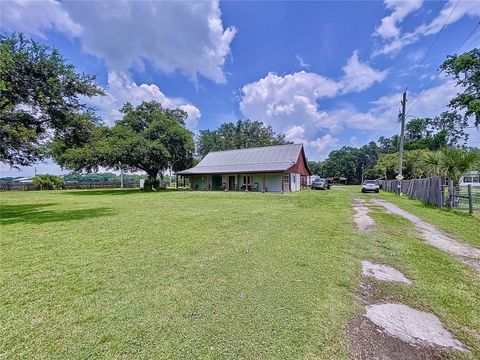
[
  {"x": 433, "y": 43},
  {"x": 438, "y": 74},
  {"x": 468, "y": 37}
]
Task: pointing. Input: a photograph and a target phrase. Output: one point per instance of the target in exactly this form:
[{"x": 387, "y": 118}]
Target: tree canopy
[
  {"x": 447, "y": 129},
  {"x": 237, "y": 135},
  {"x": 413, "y": 164},
  {"x": 149, "y": 138},
  {"x": 40, "y": 99},
  {"x": 465, "y": 69},
  {"x": 452, "y": 163}
]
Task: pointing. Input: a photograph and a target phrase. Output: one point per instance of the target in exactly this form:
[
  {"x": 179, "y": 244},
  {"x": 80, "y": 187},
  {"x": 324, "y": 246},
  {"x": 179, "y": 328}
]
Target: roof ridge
[
  {"x": 253, "y": 148},
  {"x": 259, "y": 163}
]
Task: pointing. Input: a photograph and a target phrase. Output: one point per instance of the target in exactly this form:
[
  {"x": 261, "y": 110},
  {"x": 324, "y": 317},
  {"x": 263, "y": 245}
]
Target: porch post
[
  {"x": 263, "y": 189},
  {"x": 191, "y": 182},
  {"x": 282, "y": 175},
  {"x": 289, "y": 182},
  {"x": 176, "y": 181}
]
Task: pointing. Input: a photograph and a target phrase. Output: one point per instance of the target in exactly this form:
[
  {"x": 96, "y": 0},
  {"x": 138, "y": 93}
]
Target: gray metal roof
[{"x": 262, "y": 159}]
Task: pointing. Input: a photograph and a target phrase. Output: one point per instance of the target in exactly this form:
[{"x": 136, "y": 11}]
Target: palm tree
[{"x": 452, "y": 163}]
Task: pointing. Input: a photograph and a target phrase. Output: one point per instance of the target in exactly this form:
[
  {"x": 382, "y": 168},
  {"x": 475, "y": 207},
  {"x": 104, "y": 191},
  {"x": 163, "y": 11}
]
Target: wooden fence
[
  {"x": 428, "y": 190},
  {"x": 69, "y": 186},
  {"x": 435, "y": 191}
]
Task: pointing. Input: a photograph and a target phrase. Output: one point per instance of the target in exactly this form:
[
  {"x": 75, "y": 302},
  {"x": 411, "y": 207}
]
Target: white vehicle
[
  {"x": 370, "y": 185},
  {"x": 320, "y": 184}
]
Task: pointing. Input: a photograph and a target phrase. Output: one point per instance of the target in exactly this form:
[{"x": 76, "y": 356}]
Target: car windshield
[{"x": 369, "y": 182}]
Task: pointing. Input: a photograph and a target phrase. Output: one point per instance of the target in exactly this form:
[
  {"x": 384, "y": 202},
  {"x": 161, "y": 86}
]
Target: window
[{"x": 294, "y": 178}]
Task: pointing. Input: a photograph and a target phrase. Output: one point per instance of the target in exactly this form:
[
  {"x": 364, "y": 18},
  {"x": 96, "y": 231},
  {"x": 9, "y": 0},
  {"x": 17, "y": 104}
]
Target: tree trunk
[{"x": 152, "y": 179}]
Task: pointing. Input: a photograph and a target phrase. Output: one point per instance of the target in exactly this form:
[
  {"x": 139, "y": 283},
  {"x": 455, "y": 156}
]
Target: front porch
[{"x": 261, "y": 182}]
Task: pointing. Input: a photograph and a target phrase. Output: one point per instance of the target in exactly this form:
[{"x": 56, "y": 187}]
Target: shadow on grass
[
  {"x": 88, "y": 192},
  {"x": 37, "y": 214}
]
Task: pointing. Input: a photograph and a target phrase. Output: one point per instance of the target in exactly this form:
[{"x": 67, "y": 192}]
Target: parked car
[
  {"x": 320, "y": 184},
  {"x": 370, "y": 185}
]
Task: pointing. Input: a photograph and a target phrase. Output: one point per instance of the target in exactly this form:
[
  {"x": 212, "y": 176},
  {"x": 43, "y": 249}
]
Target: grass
[
  {"x": 456, "y": 223},
  {"x": 125, "y": 274},
  {"x": 463, "y": 202}
]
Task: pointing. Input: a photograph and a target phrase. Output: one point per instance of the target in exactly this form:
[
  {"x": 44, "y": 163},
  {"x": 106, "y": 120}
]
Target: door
[{"x": 231, "y": 183}]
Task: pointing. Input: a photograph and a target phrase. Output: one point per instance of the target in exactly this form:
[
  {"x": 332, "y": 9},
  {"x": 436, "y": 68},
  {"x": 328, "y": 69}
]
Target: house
[
  {"x": 473, "y": 178},
  {"x": 280, "y": 168}
]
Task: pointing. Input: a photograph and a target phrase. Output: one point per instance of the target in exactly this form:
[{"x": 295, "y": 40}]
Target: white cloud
[
  {"x": 466, "y": 7},
  {"x": 284, "y": 101},
  {"x": 427, "y": 104},
  {"x": 295, "y": 133},
  {"x": 121, "y": 89},
  {"x": 172, "y": 35},
  {"x": 415, "y": 56},
  {"x": 301, "y": 62},
  {"x": 323, "y": 145},
  {"x": 350, "y": 118},
  {"x": 446, "y": 16},
  {"x": 388, "y": 28},
  {"x": 360, "y": 76},
  {"x": 290, "y": 104},
  {"x": 318, "y": 148},
  {"x": 35, "y": 17},
  {"x": 278, "y": 101}
]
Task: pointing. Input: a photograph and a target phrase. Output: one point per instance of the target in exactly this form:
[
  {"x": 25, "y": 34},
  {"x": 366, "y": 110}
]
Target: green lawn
[
  {"x": 457, "y": 223},
  {"x": 124, "y": 274}
]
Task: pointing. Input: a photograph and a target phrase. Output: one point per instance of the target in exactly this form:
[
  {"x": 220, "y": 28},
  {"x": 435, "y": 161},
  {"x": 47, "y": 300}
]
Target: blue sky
[{"x": 326, "y": 74}]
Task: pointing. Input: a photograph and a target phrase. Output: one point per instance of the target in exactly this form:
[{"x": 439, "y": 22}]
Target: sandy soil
[
  {"x": 361, "y": 218},
  {"x": 466, "y": 253}
]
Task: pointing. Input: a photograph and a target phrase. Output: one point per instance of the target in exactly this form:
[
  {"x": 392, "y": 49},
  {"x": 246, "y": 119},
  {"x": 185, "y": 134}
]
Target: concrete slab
[
  {"x": 383, "y": 272},
  {"x": 412, "y": 326}
]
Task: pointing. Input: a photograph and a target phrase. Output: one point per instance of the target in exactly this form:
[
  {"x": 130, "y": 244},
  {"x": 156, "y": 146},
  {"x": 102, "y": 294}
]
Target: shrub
[{"x": 49, "y": 182}]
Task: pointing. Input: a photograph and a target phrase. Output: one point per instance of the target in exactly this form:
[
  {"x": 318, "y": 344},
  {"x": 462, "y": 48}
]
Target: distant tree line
[
  {"x": 237, "y": 135},
  {"x": 102, "y": 177}
]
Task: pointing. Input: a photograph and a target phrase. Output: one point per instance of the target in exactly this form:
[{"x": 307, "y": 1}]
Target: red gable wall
[{"x": 300, "y": 167}]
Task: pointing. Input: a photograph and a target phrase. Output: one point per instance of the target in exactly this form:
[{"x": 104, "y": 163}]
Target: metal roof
[{"x": 262, "y": 159}]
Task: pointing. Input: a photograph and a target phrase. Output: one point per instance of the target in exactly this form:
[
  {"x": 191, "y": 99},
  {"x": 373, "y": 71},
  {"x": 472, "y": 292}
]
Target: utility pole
[{"x": 402, "y": 137}]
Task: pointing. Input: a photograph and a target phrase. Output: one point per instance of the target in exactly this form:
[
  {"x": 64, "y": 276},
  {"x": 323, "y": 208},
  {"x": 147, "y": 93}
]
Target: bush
[
  {"x": 49, "y": 182},
  {"x": 149, "y": 183}
]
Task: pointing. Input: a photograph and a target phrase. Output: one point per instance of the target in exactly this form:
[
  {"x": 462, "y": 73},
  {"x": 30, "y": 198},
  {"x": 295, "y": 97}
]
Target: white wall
[{"x": 295, "y": 182}]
